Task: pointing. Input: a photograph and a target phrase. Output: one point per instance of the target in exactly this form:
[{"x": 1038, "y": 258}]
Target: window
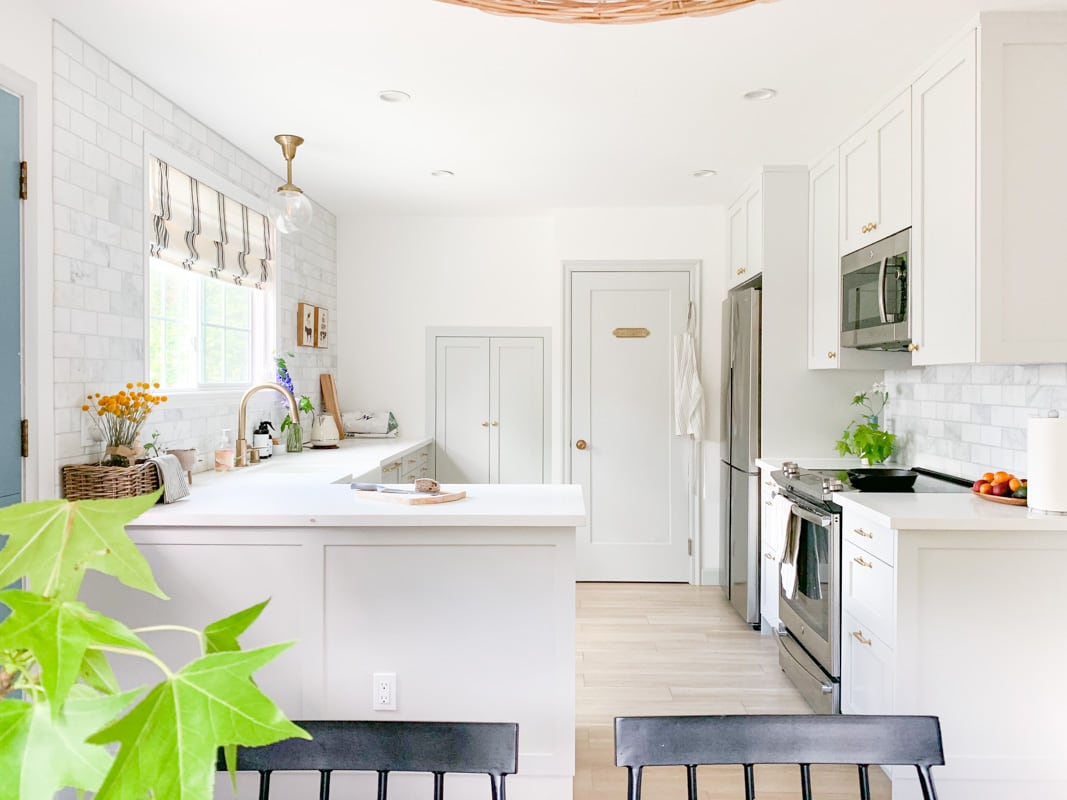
[
  {"x": 201, "y": 331},
  {"x": 209, "y": 281}
]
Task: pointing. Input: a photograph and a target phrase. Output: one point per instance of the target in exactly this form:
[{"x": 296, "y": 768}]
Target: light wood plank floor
[{"x": 647, "y": 649}]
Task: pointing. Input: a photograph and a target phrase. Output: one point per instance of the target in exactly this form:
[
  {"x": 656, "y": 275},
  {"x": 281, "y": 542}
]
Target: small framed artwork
[
  {"x": 321, "y": 328},
  {"x": 305, "y": 325}
]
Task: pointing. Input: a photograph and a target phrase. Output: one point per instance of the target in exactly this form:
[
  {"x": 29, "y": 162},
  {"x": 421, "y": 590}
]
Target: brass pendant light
[
  {"x": 604, "y": 12},
  {"x": 290, "y": 210}
]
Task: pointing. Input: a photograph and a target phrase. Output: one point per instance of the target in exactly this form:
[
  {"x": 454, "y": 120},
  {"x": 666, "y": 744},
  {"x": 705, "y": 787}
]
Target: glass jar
[{"x": 294, "y": 438}]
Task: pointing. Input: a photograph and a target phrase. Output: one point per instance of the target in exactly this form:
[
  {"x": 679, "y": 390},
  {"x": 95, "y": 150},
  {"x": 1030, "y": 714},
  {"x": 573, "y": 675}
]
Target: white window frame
[{"x": 264, "y": 319}]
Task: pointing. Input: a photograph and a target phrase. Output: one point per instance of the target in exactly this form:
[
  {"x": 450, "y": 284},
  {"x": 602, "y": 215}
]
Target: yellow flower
[{"x": 85, "y": 408}]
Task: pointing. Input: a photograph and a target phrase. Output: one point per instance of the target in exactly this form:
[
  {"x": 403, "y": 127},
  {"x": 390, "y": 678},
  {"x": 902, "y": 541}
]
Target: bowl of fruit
[{"x": 1001, "y": 487}]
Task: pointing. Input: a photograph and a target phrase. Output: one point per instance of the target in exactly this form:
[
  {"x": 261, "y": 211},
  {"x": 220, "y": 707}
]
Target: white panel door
[
  {"x": 633, "y": 471},
  {"x": 462, "y": 409},
  {"x": 516, "y": 410}
]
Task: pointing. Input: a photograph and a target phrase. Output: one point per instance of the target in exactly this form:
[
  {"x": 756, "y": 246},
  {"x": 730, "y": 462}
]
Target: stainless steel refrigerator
[{"x": 740, "y": 442}]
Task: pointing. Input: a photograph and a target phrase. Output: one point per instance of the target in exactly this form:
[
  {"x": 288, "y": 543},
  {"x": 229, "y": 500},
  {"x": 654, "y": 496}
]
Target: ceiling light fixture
[
  {"x": 705, "y": 173},
  {"x": 289, "y": 208},
  {"x": 393, "y": 96},
  {"x": 443, "y": 173},
  {"x": 604, "y": 11},
  {"x": 761, "y": 94}
]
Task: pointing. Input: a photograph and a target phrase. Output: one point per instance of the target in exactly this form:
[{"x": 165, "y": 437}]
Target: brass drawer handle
[
  {"x": 858, "y": 636},
  {"x": 874, "y": 226},
  {"x": 861, "y": 532},
  {"x": 859, "y": 560},
  {"x": 485, "y": 424},
  {"x": 913, "y": 347},
  {"x": 740, "y": 270},
  {"x": 831, "y": 354}
]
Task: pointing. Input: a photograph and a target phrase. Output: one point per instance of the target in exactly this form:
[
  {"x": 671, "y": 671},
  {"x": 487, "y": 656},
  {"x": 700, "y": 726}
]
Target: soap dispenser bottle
[
  {"x": 261, "y": 439},
  {"x": 224, "y": 452}
]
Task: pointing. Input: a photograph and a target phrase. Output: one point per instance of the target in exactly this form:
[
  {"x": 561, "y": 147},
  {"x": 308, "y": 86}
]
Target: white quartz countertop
[
  {"x": 301, "y": 490},
  {"x": 815, "y": 462},
  {"x": 947, "y": 512}
]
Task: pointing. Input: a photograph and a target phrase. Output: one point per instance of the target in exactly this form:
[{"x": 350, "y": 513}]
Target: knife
[{"x": 422, "y": 486}]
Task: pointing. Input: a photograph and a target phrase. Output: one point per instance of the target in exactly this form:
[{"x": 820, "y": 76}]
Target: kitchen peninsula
[{"x": 469, "y": 604}]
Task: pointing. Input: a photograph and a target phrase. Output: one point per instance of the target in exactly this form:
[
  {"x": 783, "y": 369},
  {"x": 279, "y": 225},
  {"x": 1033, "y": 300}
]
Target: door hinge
[
  {"x": 25, "y": 438},
  {"x": 690, "y": 542},
  {"x": 24, "y": 180}
]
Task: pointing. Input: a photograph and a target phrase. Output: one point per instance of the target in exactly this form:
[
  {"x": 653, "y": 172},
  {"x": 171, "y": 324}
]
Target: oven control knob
[
  {"x": 835, "y": 485},
  {"x": 790, "y": 468}
]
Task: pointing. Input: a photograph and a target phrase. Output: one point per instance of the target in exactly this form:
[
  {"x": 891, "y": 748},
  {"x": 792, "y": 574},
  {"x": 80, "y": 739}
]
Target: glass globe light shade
[{"x": 290, "y": 211}]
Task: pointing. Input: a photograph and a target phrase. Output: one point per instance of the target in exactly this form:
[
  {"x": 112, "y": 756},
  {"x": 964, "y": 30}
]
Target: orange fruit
[
  {"x": 1015, "y": 483},
  {"x": 1000, "y": 477},
  {"x": 985, "y": 488},
  {"x": 987, "y": 477}
]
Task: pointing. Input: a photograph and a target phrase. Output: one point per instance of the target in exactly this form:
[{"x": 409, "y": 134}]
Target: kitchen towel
[
  {"x": 781, "y": 517},
  {"x": 688, "y": 393},
  {"x": 1046, "y": 457},
  {"x": 790, "y": 554},
  {"x": 172, "y": 476},
  {"x": 369, "y": 422}
]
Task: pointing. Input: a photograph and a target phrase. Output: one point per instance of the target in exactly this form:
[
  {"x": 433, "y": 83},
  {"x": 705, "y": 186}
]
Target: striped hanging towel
[{"x": 688, "y": 393}]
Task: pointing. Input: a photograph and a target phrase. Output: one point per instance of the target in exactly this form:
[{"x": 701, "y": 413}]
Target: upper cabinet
[
  {"x": 746, "y": 237},
  {"x": 875, "y": 177},
  {"x": 990, "y": 120}
]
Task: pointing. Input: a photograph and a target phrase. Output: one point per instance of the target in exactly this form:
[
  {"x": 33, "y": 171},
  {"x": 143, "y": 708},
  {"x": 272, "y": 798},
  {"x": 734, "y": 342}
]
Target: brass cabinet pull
[
  {"x": 581, "y": 444},
  {"x": 865, "y": 228},
  {"x": 831, "y": 354},
  {"x": 863, "y": 533},
  {"x": 768, "y": 503},
  {"x": 495, "y": 423},
  {"x": 859, "y": 560},
  {"x": 874, "y": 226},
  {"x": 912, "y": 347},
  {"x": 485, "y": 424},
  {"x": 740, "y": 270},
  {"x": 858, "y": 636}
]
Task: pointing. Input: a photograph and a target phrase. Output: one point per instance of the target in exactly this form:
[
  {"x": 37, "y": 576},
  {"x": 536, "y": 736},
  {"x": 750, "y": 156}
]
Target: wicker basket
[{"x": 93, "y": 481}]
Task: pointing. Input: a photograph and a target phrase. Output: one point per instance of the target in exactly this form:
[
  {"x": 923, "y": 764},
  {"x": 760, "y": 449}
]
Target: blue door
[{"x": 10, "y": 302}]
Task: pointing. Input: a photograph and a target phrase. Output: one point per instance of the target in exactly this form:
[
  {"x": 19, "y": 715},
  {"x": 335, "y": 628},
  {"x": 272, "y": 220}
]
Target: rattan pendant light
[{"x": 604, "y": 11}]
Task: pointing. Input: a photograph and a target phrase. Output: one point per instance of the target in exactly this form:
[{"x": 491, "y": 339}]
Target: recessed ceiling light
[
  {"x": 393, "y": 96},
  {"x": 443, "y": 173},
  {"x": 761, "y": 94},
  {"x": 705, "y": 173}
]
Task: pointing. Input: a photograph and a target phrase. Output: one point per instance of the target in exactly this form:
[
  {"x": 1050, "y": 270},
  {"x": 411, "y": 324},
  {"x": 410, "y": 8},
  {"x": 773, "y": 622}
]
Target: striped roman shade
[{"x": 202, "y": 230}]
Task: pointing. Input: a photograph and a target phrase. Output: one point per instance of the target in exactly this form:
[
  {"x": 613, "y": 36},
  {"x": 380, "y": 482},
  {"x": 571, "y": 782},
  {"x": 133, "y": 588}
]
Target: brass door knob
[
  {"x": 581, "y": 444},
  {"x": 831, "y": 354}
]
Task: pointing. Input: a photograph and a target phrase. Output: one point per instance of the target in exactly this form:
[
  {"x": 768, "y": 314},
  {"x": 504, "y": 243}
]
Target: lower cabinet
[
  {"x": 866, "y": 670},
  {"x": 769, "y": 567},
  {"x": 409, "y": 466}
]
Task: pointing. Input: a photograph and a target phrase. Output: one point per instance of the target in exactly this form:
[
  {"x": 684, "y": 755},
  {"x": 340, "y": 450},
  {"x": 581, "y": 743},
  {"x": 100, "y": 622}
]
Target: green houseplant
[
  {"x": 864, "y": 437},
  {"x": 60, "y": 704}
]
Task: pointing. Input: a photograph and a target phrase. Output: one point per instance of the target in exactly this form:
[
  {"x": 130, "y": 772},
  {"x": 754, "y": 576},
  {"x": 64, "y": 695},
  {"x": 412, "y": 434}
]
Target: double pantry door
[{"x": 490, "y": 409}]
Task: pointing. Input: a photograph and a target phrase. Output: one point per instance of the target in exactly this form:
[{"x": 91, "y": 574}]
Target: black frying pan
[{"x": 882, "y": 480}]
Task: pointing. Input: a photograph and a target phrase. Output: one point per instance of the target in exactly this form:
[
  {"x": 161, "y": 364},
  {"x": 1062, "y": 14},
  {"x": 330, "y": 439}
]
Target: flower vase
[{"x": 294, "y": 438}]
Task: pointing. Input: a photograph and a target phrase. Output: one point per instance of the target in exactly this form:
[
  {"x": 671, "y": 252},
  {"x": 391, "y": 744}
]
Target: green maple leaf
[
  {"x": 41, "y": 753},
  {"x": 53, "y": 542},
  {"x": 97, "y": 672},
  {"x": 59, "y": 632},
  {"x": 169, "y": 741},
  {"x": 221, "y": 636}
]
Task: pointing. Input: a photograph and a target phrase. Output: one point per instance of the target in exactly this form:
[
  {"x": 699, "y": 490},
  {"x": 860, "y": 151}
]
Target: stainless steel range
[{"x": 809, "y": 603}]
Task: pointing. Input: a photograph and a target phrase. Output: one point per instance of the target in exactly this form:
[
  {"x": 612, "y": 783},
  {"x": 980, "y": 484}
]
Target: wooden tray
[
  {"x": 1008, "y": 501},
  {"x": 413, "y": 499}
]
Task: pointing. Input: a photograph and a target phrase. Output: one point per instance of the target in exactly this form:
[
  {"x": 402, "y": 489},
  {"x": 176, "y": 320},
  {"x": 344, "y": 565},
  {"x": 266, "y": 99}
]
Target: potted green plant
[
  {"x": 61, "y": 709},
  {"x": 865, "y": 437}
]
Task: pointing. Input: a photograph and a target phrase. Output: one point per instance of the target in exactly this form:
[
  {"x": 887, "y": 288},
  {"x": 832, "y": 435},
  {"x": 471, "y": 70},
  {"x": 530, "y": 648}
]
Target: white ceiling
[{"x": 529, "y": 115}]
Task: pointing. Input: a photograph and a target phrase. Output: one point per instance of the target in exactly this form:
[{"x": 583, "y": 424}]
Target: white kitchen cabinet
[
  {"x": 990, "y": 119},
  {"x": 875, "y": 177},
  {"x": 866, "y": 670},
  {"x": 824, "y": 280},
  {"x": 408, "y": 466},
  {"x": 769, "y": 564},
  {"x": 746, "y": 237},
  {"x": 490, "y": 409}
]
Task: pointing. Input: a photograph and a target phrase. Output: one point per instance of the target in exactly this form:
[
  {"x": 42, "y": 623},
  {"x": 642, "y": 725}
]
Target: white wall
[
  {"x": 26, "y": 70},
  {"x": 400, "y": 275}
]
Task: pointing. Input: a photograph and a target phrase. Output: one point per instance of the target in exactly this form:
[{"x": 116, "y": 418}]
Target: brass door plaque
[{"x": 630, "y": 333}]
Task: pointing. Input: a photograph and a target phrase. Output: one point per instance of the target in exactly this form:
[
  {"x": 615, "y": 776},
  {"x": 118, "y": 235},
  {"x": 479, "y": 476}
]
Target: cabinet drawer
[
  {"x": 867, "y": 591},
  {"x": 866, "y": 670},
  {"x": 876, "y": 539}
]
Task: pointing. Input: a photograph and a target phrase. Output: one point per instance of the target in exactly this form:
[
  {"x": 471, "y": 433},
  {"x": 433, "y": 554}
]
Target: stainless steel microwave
[{"x": 874, "y": 295}]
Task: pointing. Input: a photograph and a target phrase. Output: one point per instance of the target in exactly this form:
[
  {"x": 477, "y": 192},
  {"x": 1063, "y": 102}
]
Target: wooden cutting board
[
  {"x": 413, "y": 499},
  {"x": 329, "y": 401}
]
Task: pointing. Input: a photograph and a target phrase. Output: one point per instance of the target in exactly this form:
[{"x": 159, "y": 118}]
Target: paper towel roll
[{"x": 1046, "y": 456}]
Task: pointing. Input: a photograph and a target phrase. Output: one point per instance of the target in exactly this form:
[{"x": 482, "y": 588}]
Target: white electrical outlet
[{"x": 384, "y": 691}]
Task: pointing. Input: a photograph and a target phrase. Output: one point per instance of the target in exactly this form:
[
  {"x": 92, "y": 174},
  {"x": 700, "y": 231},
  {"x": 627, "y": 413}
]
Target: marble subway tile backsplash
[{"x": 965, "y": 420}]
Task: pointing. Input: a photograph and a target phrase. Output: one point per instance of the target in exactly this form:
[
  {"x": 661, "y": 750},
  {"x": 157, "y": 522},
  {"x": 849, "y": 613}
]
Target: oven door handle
[
  {"x": 882, "y": 269},
  {"x": 803, "y": 513}
]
